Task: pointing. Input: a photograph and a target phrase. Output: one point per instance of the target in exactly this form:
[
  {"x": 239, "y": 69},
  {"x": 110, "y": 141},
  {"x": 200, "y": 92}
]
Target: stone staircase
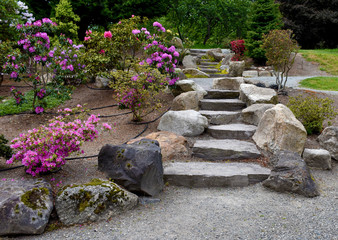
[{"x": 226, "y": 138}]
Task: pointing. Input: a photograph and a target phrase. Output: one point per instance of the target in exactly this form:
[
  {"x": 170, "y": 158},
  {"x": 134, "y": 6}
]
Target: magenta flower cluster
[
  {"x": 18, "y": 95},
  {"x": 45, "y": 148},
  {"x": 161, "y": 57}
]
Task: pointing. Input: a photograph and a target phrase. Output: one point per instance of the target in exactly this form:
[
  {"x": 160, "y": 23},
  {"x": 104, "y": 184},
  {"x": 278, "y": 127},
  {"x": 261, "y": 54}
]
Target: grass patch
[
  {"x": 327, "y": 58},
  {"x": 321, "y": 83},
  {"x": 53, "y": 100}
]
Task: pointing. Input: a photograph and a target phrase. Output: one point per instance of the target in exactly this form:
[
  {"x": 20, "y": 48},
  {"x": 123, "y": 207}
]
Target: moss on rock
[{"x": 35, "y": 198}]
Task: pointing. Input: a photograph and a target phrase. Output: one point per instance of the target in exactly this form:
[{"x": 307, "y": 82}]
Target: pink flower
[
  {"x": 119, "y": 22},
  {"x": 108, "y": 34},
  {"x": 176, "y": 54},
  {"x": 132, "y": 16},
  {"x": 106, "y": 126},
  {"x": 86, "y": 38},
  {"x": 135, "y": 31},
  {"x": 39, "y": 110},
  {"x": 14, "y": 75}
]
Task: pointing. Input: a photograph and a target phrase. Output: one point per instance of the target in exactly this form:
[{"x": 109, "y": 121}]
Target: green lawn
[
  {"x": 327, "y": 58},
  {"x": 9, "y": 106},
  {"x": 321, "y": 83}
]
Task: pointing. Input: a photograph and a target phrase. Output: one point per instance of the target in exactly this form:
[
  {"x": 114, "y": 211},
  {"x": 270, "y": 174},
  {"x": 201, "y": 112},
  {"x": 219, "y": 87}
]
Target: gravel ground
[
  {"x": 222, "y": 213},
  {"x": 293, "y": 82}
]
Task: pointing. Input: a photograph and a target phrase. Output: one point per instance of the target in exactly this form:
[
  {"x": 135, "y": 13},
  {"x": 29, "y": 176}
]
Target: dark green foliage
[
  {"x": 265, "y": 16},
  {"x": 5, "y": 151},
  {"x": 314, "y": 23},
  {"x": 7, "y": 15},
  {"x": 312, "y": 111}
]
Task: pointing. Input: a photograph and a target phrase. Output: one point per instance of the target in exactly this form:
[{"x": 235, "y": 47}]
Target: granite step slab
[
  {"x": 219, "y": 94},
  {"x": 218, "y": 75},
  {"x": 222, "y": 104},
  {"x": 208, "y": 174},
  {"x": 207, "y": 64},
  {"x": 209, "y": 70},
  {"x": 217, "y": 149},
  {"x": 232, "y": 131},
  {"x": 221, "y": 117}
]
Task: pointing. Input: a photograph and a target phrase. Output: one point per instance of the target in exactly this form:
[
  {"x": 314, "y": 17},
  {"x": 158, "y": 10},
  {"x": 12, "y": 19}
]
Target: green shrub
[
  {"x": 312, "y": 111},
  {"x": 5, "y": 151}
]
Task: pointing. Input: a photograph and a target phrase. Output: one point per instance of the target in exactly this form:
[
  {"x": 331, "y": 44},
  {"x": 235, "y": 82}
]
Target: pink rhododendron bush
[{"x": 46, "y": 148}]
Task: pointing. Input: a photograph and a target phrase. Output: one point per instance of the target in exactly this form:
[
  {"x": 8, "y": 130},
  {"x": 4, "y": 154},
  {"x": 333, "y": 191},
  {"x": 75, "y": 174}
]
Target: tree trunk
[{"x": 207, "y": 36}]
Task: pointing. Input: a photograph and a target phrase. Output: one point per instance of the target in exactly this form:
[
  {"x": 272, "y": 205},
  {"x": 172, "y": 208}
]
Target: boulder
[
  {"x": 101, "y": 82},
  {"x": 171, "y": 144},
  {"x": 212, "y": 52},
  {"x": 250, "y": 73},
  {"x": 187, "y": 123},
  {"x": 25, "y": 206},
  {"x": 264, "y": 73},
  {"x": 180, "y": 73},
  {"x": 177, "y": 42},
  {"x": 193, "y": 72},
  {"x": 94, "y": 201},
  {"x": 290, "y": 174},
  {"x": 227, "y": 58},
  {"x": 137, "y": 166},
  {"x": 328, "y": 139},
  {"x": 251, "y": 94},
  {"x": 186, "y": 86},
  {"x": 227, "y": 83},
  {"x": 236, "y": 68},
  {"x": 188, "y": 101},
  {"x": 189, "y": 61},
  {"x": 280, "y": 130},
  {"x": 254, "y": 113},
  {"x": 318, "y": 158}
]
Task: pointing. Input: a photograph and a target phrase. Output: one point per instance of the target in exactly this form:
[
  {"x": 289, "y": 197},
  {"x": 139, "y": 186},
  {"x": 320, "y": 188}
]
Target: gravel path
[
  {"x": 293, "y": 82},
  {"x": 222, "y": 213}
]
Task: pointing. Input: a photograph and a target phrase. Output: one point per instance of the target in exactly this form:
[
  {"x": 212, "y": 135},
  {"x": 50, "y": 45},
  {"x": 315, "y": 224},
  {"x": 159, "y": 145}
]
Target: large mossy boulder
[
  {"x": 94, "y": 201},
  {"x": 137, "y": 166},
  {"x": 25, "y": 206}
]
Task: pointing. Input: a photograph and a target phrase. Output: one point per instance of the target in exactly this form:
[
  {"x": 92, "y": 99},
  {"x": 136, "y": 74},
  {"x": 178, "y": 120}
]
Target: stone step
[
  {"x": 209, "y": 70},
  {"x": 215, "y": 149},
  {"x": 207, "y": 174},
  {"x": 198, "y": 51},
  {"x": 218, "y": 75},
  {"x": 222, "y": 104},
  {"x": 208, "y": 63},
  {"x": 221, "y": 117},
  {"x": 232, "y": 131},
  {"x": 197, "y": 54},
  {"x": 219, "y": 94},
  {"x": 204, "y": 60}
]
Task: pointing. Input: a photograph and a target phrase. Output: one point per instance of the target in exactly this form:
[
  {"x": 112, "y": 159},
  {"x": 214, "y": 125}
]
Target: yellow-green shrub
[{"x": 312, "y": 111}]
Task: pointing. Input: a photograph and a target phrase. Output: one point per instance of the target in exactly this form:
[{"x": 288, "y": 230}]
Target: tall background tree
[
  {"x": 265, "y": 16},
  {"x": 314, "y": 22}
]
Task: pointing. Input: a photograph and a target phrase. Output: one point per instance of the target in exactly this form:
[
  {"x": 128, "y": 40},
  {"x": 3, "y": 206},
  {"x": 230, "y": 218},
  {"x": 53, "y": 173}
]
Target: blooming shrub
[
  {"x": 45, "y": 148},
  {"x": 238, "y": 48}
]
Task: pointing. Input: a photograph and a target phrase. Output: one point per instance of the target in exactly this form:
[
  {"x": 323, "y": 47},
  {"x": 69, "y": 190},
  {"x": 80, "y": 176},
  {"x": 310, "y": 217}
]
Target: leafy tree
[
  {"x": 313, "y": 22},
  {"x": 213, "y": 20},
  {"x": 265, "y": 16},
  {"x": 280, "y": 50},
  {"x": 66, "y": 19}
]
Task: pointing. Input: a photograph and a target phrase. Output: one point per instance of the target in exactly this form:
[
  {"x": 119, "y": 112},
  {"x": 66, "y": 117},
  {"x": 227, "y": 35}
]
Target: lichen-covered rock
[
  {"x": 254, "y": 113},
  {"x": 216, "y": 54},
  {"x": 318, "y": 158},
  {"x": 280, "y": 130},
  {"x": 188, "y": 101},
  {"x": 188, "y": 123},
  {"x": 187, "y": 86},
  {"x": 101, "y": 82},
  {"x": 189, "y": 61},
  {"x": 94, "y": 201},
  {"x": 328, "y": 139},
  {"x": 227, "y": 58},
  {"x": 177, "y": 42},
  {"x": 172, "y": 145},
  {"x": 25, "y": 206},
  {"x": 290, "y": 174},
  {"x": 227, "y": 83},
  {"x": 236, "y": 68},
  {"x": 251, "y": 94},
  {"x": 180, "y": 73},
  {"x": 195, "y": 73},
  {"x": 137, "y": 166}
]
